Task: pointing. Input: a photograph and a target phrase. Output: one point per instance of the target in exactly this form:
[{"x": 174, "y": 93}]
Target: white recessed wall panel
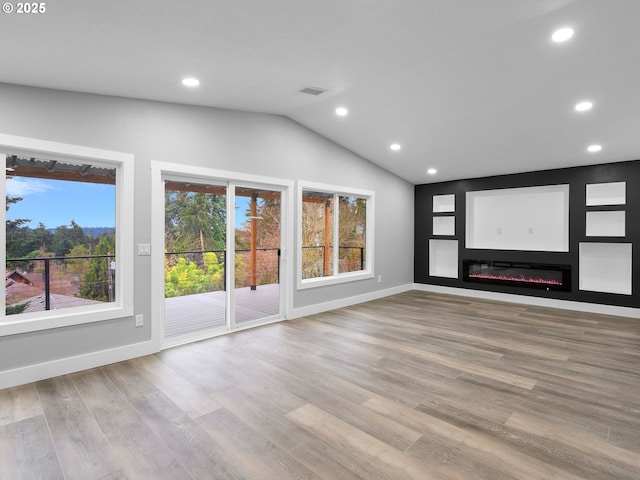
[
  {"x": 444, "y": 225},
  {"x": 605, "y": 267},
  {"x": 613, "y": 193},
  {"x": 443, "y": 258},
  {"x": 444, "y": 203},
  {"x": 527, "y": 218},
  {"x": 605, "y": 224}
]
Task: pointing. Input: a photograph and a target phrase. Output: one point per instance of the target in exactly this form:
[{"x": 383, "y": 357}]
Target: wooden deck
[{"x": 192, "y": 313}]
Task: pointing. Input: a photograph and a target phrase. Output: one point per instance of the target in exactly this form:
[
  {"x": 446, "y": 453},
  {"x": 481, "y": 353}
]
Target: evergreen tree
[
  {"x": 96, "y": 281},
  {"x": 15, "y": 232},
  {"x": 77, "y": 266},
  {"x": 195, "y": 221},
  {"x": 43, "y": 237},
  {"x": 16, "y": 308},
  {"x": 76, "y": 234},
  {"x": 65, "y": 238}
]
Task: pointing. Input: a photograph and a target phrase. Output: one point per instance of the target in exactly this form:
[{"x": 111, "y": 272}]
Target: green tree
[
  {"x": 43, "y": 237},
  {"x": 214, "y": 271},
  {"x": 78, "y": 266},
  {"x": 97, "y": 280},
  {"x": 76, "y": 234},
  {"x": 15, "y": 232},
  {"x": 241, "y": 271},
  {"x": 67, "y": 237},
  {"x": 16, "y": 308},
  {"x": 194, "y": 221},
  {"x": 184, "y": 278},
  {"x": 16, "y": 222}
]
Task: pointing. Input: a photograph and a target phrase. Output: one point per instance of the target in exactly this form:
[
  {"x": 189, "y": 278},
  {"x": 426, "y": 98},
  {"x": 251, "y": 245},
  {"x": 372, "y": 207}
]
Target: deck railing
[
  {"x": 28, "y": 266},
  {"x": 321, "y": 261},
  {"x": 25, "y": 269},
  {"x": 222, "y": 257}
]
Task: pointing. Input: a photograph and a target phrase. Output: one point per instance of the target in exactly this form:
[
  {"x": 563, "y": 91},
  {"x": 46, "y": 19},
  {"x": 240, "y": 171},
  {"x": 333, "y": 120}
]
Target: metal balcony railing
[
  {"x": 361, "y": 251},
  {"x": 222, "y": 257},
  {"x": 27, "y": 266},
  {"x": 25, "y": 270}
]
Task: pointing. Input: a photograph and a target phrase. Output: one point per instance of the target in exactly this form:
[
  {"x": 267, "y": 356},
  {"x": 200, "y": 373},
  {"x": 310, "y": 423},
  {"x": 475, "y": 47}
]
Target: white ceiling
[{"x": 470, "y": 87}]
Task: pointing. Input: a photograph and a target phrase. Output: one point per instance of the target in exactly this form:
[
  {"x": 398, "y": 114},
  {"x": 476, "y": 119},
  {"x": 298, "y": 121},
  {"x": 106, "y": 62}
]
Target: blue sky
[
  {"x": 242, "y": 204},
  {"x": 57, "y": 202}
]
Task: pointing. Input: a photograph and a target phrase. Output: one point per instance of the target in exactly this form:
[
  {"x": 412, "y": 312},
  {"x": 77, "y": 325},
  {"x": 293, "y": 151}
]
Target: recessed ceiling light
[
  {"x": 190, "y": 82},
  {"x": 432, "y": 171},
  {"x": 583, "y": 106},
  {"x": 562, "y": 34},
  {"x": 342, "y": 112},
  {"x": 395, "y": 147},
  {"x": 594, "y": 148}
]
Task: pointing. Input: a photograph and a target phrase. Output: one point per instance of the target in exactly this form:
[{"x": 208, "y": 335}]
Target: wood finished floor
[{"x": 413, "y": 386}]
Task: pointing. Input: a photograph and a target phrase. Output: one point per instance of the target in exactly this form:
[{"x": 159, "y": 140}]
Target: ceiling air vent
[{"x": 313, "y": 90}]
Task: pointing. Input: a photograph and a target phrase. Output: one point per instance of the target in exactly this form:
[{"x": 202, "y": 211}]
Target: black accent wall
[{"x": 577, "y": 178}]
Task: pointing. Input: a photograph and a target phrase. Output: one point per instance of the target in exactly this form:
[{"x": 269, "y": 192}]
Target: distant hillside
[
  {"x": 97, "y": 231},
  {"x": 91, "y": 231}
]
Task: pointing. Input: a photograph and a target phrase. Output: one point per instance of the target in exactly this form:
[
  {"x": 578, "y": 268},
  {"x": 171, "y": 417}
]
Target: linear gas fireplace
[{"x": 530, "y": 275}]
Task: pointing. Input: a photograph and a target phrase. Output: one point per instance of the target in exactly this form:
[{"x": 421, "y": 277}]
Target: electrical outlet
[
  {"x": 379, "y": 278},
  {"x": 139, "y": 320}
]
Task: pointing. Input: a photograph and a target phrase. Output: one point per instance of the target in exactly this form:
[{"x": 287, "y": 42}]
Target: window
[
  {"x": 63, "y": 235},
  {"x": 335, "y": 235}
]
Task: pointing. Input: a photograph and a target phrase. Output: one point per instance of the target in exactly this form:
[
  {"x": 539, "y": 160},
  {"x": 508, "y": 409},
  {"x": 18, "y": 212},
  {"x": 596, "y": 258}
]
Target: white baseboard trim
[
  {"x": 54, "y": 368},
  {"x": 63, "y": 366},
  {"x": 346, "y": 302},
  {"x": 536, "y": 301}
]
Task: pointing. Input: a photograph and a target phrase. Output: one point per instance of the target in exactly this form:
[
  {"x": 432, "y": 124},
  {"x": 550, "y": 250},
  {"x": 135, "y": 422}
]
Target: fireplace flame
[{"x": 509, "y": 278}]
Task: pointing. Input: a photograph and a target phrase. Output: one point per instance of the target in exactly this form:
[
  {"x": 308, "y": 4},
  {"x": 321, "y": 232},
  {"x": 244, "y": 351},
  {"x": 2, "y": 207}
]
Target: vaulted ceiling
[{"x": 467, "y": 87}]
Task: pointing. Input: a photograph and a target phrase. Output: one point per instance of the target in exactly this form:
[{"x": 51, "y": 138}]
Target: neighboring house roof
[
  {"x": 14, "y": 276},
  {"x": 56, "y": 302}
]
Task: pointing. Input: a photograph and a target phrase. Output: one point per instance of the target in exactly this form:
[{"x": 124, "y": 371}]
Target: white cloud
[{"x": 21, "y": 187}]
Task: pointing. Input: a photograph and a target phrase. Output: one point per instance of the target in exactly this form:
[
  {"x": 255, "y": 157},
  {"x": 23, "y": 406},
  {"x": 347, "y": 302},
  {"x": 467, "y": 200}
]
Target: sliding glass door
[{"x": 221, "y": 257}]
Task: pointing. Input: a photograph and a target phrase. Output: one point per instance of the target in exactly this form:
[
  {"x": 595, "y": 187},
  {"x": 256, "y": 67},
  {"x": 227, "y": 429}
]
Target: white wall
[{"x": 259, "y": 144}]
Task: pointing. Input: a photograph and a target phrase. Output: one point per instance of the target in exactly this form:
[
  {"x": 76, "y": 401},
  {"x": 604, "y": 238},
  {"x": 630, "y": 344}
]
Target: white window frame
[
  {"x": 123, "y": 305},
  {"x": 337, "y": 278}
]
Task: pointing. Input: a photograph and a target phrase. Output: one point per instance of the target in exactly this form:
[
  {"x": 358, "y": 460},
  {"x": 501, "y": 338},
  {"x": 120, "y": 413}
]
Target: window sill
[
  {"x": 334, "y": 279},
  {"x": 34, "y": 322}
]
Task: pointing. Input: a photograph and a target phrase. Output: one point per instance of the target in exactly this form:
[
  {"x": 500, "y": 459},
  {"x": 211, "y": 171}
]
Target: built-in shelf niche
[
  {"x": 605, "y": 267},
  {"x": 444, "y": 225},
  {"x": 613, "y": 193},
  {"x": 606, "y": 224},
  {"x": 443, "y": 258},
  {"x": 444, "y": 203}
]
